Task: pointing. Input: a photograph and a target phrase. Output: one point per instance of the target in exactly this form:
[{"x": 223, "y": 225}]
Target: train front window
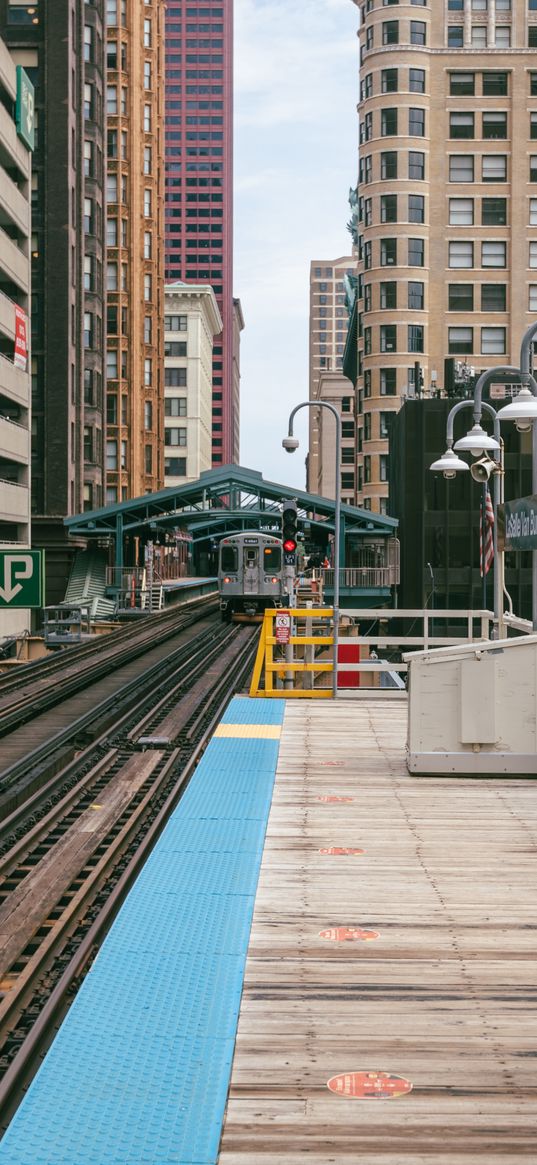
[
  {"x": 250, "y": 556},
  {"x": 229, "y": 559},
  {"x": 273, "y": 559}
]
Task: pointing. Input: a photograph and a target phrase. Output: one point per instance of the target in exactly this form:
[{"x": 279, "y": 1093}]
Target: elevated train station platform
[{"x": 382, "y": 975}]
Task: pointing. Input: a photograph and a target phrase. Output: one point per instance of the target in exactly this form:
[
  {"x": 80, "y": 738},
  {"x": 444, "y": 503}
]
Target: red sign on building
[{"x": 21, "y": 338}]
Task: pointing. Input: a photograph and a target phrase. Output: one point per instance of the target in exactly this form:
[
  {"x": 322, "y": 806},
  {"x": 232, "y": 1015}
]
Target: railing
[{"x": 360, "y": 577}]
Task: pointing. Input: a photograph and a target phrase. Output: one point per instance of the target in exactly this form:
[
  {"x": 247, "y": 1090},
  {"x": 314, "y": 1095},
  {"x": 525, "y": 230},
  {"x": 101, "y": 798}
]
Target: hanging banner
[
  {"x": 20, "y": 358},
  {"x": 517, "y": 524}
]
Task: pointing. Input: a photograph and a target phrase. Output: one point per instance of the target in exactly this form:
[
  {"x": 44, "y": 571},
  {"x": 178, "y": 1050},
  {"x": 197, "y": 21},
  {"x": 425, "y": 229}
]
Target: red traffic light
[{"x": 289, "y": 545}]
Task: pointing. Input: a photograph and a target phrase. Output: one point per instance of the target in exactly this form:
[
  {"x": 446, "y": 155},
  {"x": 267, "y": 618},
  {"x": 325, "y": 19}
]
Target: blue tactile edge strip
[{"x": 139, "y": 1072}]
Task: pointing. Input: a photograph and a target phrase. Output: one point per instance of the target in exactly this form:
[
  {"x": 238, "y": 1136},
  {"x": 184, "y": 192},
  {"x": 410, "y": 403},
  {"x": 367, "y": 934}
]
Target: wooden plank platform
[{"x": 445, "y": 997}]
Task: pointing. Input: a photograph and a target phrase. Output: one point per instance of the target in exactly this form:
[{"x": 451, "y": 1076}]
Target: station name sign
[{"x": 517, "y": 524}]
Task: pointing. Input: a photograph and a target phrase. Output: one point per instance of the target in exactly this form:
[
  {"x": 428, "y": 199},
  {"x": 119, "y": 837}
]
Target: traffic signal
[{"x": 289, "y": 526}]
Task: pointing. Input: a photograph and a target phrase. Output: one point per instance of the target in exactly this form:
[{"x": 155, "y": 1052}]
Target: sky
[{"x": 296, "y": 156}]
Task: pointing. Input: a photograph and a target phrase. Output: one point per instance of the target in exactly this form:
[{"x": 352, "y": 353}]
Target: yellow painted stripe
[{"x": 268, "y": 731}]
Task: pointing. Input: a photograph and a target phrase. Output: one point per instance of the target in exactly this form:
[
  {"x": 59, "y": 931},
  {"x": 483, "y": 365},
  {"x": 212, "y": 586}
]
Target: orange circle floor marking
[
  {"x": 348, "y": 934},
  {"x": 339, "y": 849},
  {"x": 327, "y": 799},
  {"x": 369, "y": 1085}
]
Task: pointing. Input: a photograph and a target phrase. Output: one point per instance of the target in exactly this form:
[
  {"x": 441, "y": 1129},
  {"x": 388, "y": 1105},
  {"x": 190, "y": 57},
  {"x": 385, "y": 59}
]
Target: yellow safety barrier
[{"x": 266, "y": 667}]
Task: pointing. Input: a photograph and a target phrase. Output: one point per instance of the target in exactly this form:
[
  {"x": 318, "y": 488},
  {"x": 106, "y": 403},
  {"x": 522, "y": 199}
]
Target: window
[
  {"x": 175, "y": 406},
  {"x": 532, "y": 36},
  {"x": 147, "y": 118},
  {"x": 367, "y": 341},
  {"x": 89, "y": 222},
  {"x": 416, "y": 123},
  {"x": 384, "y": 424},
  {"x": 461, "y": 212},
  {"x": 461, "y": 125},
  {"x": 495, "y": 168},
  {"x": 383, "y": 466},
  {"x": 89, "y": 159},
  {"x": 455, "y": 36},
  {"x": 388, "y": 252},
  {"x": 148, "y": 244},
  {"x": 175, "y": 437},
  {"x": 148, "y": 458},
  {"x": 494, "y": 125},
  {"x": 388, "y": 122},
  {"x": 111, "y": 277},
  {"x": 111, "y": 99},
  {"x": 493, "y": 297},
  {"x": 479, "y": 36},
  {"x": 461, "y": 168},
  {"x": 415, "y": 337},
  {"x": 148, "y": 160},
  {"x": 88, "y": 443},
  {"x": 533, "y": 168},
  {"x": 461, "y": 297},
  {"x": 418, "y": 30},
  {"x": 494, "y": 212},
  {"x": 175, "y": 377},
  {"x": 533, "y": 125},
  {"x": 495, "y": 84},
  {"x": 147, "y": 204},
  {"x": 148, "y": 288},
  {"x": 388, "y": 338},
  {"x": 89, "y": 272},
  {"x": 390, "y": 32},
  {"x": 147, "y": 74},
  {"x": 111, "y": 364},
  {"x": 493, "y": 254},
  {"x": 533, "y": 84},
  {"x": 148, "y": 371},
  {"x": 388, "y": 295},
  {"x": 462, "y": 84},
  {"x": 111, "y": 408},
  {"x": 388, "y": 164},
  {"x": 416, "y": 296},
  {"x": 416, "y": 252},
  {"x": 533, "y": 255},
  {"x": 111, "y": 187},
  {"x": 389, "y": 82},
  {"x": 461, "y": 253},
  {"x": 367, "y": 469},
  {"x": 388, "y": 208},
  {"x": 147, "y": 34},
  {"x": 460, "y": 341},
  {"x": 111, "y": 455},
  {"x": 175, "y": 323},
  {"x": 416, "y": 165},
  {"x": 123, "y": 448},
  {"x": 148, "y": 415},
  {"x": 416, "y": 208},
  {"x": 416, "y": 80},
  {"x": 493, "y": 341},
  {"x": 88, "y": 329},
  {"x": 367, "y": 255},
  {"x": 175, "y": 466},
  {"x": 532, "y": 302},
  {"x": 388, "y": 381},
  {"x": 111, "y": 232},
  {"x": 533, "y": 212}
]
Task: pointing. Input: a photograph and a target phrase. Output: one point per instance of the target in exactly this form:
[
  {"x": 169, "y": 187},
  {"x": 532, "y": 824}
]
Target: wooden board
[{"x": 445, "y": 997}]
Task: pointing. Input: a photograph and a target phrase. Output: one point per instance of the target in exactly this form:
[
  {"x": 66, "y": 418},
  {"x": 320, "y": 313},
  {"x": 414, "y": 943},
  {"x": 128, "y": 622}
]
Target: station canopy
[{"x": 223, "y": 501}]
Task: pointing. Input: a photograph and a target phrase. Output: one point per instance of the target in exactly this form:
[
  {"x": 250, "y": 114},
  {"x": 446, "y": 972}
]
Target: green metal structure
[{"x": 220, "y": 502}]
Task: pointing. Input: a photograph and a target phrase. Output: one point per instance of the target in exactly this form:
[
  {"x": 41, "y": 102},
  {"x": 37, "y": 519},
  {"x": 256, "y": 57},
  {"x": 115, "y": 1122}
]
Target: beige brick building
[
  {"x": 328, "y": 332},
  {"x": 446, "y": 214},
  {"x": 135, "y": 248}
]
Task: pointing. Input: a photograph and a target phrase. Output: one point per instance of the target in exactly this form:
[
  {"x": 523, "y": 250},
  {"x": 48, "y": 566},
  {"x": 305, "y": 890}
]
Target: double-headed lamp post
[
  {"x": 523, "y": 411},
  {"x": 290, "y": 443}
]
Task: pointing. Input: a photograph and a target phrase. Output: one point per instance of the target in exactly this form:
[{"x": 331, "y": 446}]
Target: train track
[
  {"x": 39, "y": 686},
  {"x": 73, "y": 850}
]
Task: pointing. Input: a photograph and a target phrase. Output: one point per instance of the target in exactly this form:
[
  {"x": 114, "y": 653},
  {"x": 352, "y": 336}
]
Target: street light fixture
[
  {"x": 477, "y": 441},
  {"x": 522, "y": 410},
  {"x": 449, "y": 464},
  {"x": 290, "y": 444}
]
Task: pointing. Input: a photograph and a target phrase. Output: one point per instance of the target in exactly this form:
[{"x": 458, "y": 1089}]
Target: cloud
[{"x": 296, "y": 74}]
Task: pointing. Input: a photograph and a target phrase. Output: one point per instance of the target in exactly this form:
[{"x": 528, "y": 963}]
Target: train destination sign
[
  {"x": 21, "y": 578},
  {"x": 517, "y": 524}
]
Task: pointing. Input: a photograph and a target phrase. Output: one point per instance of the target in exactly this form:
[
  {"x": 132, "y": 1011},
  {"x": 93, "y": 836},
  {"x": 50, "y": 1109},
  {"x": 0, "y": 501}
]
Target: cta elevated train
[{"x": 249, "y": 575}]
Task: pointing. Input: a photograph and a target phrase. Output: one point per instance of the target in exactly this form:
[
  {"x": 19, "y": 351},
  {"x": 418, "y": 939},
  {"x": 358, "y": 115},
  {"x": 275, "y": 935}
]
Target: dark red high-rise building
[{"x": 199, "y": 180}]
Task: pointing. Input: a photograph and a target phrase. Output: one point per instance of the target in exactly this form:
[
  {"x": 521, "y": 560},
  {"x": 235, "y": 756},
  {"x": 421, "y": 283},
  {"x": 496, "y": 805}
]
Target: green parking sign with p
[{"x": 22, "y": 578}]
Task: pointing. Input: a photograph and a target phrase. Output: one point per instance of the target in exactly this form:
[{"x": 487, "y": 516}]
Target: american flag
[{"x": 486, "y": 528}]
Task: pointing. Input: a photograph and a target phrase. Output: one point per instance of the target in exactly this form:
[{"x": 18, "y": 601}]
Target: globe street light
[{"x": 290, "y": 443}]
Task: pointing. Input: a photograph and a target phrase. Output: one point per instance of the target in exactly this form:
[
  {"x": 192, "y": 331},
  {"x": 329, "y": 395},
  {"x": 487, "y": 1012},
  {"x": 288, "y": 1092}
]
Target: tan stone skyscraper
[
  {"x": 446, "y": 213},
  {"x": 135, "y": 248}
]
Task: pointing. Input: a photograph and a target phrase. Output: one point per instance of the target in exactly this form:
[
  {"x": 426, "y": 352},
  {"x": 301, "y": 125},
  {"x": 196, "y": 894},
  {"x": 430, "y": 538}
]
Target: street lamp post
[
  {"x": 478, "y": 442},
  {"x": 290, "y": 443},
  {"x": 523, "y": 411}
]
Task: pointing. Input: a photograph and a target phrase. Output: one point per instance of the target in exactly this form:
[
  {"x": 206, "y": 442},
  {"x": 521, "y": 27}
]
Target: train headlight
[{"x": 226, "y": 580}]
